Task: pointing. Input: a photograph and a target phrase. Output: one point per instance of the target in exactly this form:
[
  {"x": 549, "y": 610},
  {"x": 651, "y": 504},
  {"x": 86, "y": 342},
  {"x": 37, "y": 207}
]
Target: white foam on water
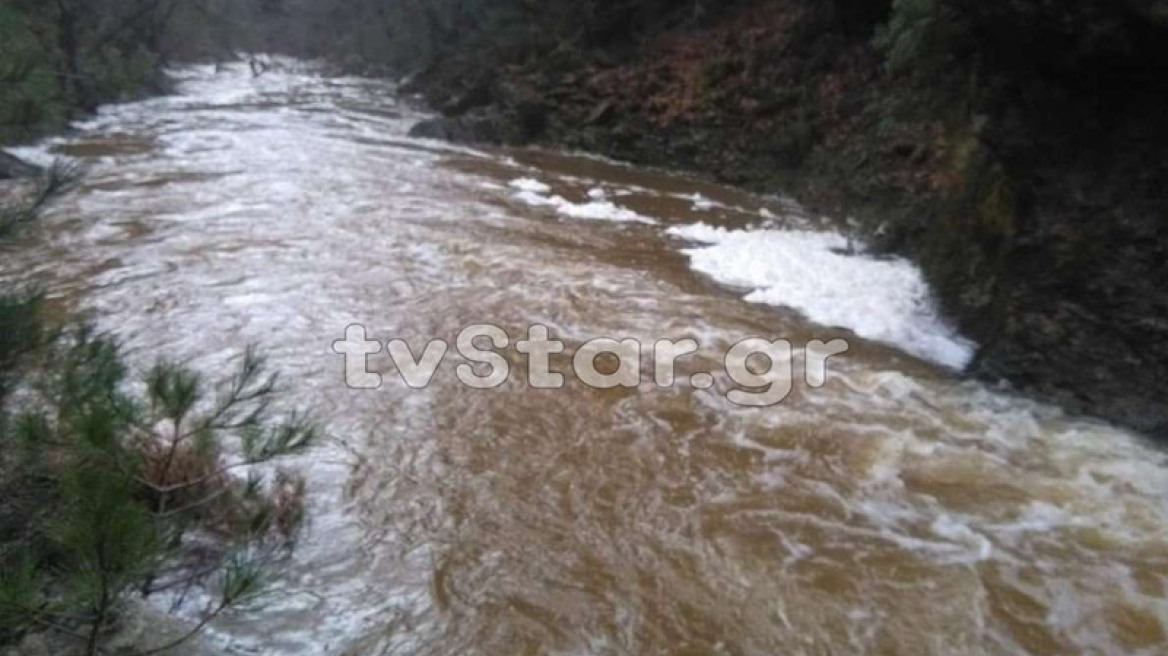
[
  {"x": 530, "y": 185},
  {"x": 701, "y": 203},
  {"x": 599, "y": 211},
  {"x": 533, "y": 192},
  {"x": 885, "y": 300},
  {"x": 955, "y": 530}
]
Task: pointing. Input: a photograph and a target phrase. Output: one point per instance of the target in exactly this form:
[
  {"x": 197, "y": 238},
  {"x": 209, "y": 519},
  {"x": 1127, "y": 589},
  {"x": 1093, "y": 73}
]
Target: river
[{"x": 898, "y": 509}]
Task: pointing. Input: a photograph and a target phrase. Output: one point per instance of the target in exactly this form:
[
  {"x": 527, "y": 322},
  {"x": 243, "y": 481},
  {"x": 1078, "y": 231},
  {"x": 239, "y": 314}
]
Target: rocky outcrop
[
  {"x": 1052, "y": 252},
  {"x": 14, "y": 167},
  {"x": 502, "y": 111}
]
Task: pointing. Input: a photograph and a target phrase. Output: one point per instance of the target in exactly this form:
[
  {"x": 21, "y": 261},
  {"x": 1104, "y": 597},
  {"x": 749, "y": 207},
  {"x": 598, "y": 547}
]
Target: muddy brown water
[{"x": 899, "y": 510}]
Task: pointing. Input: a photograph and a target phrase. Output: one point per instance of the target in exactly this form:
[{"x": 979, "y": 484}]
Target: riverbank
[
  {"x": 143, "y": 629},
  {"x": 1024, "y": 183},
  {"x": 25, "y": 190}
]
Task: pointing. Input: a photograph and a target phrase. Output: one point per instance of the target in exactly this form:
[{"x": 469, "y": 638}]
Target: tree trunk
[{"x": 67, "y": 42}]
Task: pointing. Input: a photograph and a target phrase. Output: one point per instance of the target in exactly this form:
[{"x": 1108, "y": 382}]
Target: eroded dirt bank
[{"x": 1018, "y": 157}]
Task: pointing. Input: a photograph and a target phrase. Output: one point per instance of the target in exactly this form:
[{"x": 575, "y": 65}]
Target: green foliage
[
  {"x": 102, "y": 486},
  {"x": 104, "y": 540},
  {"x": 909, "y": 34},
  {"x": 20, "y": 333},
  {"x": 411, "y": 35},
  {"x": 62, "y": 57},
  {"x": 114, "y": 483},
  {"x": 117, "y": 75},
  {"x": 30, "y": 97},
  {"x": 20, "y": 596}
]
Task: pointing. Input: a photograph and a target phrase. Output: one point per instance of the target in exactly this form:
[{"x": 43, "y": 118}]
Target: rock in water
[{"x": 14, "y": 167}]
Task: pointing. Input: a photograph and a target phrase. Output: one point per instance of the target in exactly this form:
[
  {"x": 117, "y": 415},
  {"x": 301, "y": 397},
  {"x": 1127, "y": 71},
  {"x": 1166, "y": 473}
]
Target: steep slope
[{"x": 1014, "y": 149}]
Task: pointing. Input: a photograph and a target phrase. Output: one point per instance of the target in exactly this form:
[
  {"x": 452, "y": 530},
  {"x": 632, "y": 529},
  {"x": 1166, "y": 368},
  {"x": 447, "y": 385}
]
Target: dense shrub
[
  {"x": 30, "y": 95},
  {"x": 108, "y": 486},
  {"x": 62, "y": 57},
  {"x": 909, "y": 33}
]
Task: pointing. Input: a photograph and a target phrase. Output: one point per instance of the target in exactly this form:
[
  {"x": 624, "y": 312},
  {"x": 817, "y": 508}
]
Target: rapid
[{"x": 898, "y": 509}]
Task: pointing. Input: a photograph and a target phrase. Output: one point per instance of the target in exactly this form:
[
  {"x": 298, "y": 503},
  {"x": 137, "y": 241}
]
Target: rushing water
[{"x": 897, "y": 510}]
